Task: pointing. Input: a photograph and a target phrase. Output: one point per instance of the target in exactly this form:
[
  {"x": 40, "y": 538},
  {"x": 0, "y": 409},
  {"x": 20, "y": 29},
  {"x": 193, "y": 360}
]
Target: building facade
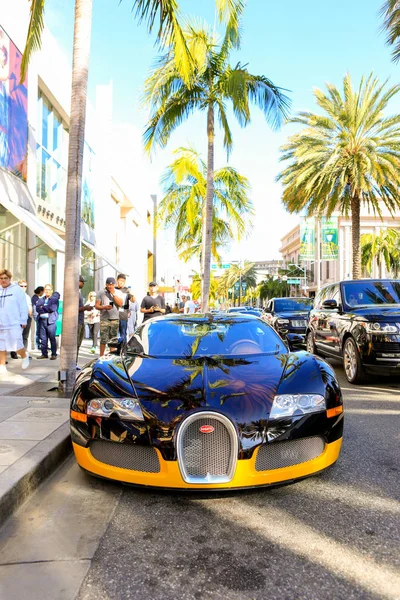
[
  {"x": 319, "y": 272},
  {"x": 117, "y": 231}
]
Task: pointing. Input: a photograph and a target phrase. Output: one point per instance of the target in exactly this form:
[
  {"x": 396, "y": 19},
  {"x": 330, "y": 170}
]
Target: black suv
[
  {"x": 358, "y": 321},
  {"x": 289, "y": 315}
]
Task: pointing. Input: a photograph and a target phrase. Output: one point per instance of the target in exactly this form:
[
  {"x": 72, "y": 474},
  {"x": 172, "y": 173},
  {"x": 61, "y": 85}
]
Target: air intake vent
[
  {"x": 126, "y": 456},
  {"x": 286, "y": 454},
  {"x": 207, "y": 448}
]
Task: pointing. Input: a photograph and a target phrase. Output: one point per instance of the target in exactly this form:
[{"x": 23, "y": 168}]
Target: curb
[{"x": 23, "y": 477}]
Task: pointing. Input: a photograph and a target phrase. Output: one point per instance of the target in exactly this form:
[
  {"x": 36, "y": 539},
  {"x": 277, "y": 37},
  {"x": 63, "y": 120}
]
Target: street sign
[
  {"x": 244, "y": 286},
  {"x": 215, "y": 267},
  {"x": 236, "y": 286},
  {"x": 296, "y": 281}
]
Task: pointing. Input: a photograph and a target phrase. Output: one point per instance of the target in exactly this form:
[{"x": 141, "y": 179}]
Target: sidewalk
[{"x": 34, "y": 427}]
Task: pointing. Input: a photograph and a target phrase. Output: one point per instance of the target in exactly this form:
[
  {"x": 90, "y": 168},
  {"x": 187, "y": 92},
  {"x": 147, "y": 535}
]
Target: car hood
[
  {"x": 292, "y": 314},
  {"x": 379, "y": 314}
]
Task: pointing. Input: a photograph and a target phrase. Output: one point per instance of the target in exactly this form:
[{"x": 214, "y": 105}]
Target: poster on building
[
  {"x": 13, "y": 109},
  {"x": 307, "y": 238},
  {"x": 329, "y": 238}
]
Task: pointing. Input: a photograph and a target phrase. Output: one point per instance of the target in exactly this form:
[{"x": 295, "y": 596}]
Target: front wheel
[
  {"x": 353, "y": 367},
  {"x": 310, "y": 343}
]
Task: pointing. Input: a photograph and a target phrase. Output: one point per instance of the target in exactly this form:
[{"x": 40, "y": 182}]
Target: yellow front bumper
[{"x": 245, "y": 474}]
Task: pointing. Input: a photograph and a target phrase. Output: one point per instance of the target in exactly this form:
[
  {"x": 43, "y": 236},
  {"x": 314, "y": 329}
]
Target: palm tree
[
  {"x": 215, "y": 83},
  {"x": 164, "y": 11},
  {"x": 195, "y": 288},
  {"x": 185, "y": 183},
  {"x": 237, "y": 273},
  {"x": 169, "y": 32},
  {"x": 271, "y": 288},
  {"x": 384, "y": 247},
  {"x": 391, "y": 23},
  {"x": 346, "y": 157}
]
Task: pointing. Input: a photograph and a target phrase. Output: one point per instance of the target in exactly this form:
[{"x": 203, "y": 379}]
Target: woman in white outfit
[
  {"x": 93, "y": 321},
  {"x": 133, "y": 313},
  {"x": 13, "y": 319}
]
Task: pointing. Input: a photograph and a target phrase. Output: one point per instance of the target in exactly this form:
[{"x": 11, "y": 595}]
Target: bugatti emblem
[{"x": 206, "y": 429}]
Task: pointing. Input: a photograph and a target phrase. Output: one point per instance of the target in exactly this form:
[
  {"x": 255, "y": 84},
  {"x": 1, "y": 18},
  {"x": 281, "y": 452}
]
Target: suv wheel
[
  {"x": 352, "y": 364},
  {"x": 310, "y": 343}
]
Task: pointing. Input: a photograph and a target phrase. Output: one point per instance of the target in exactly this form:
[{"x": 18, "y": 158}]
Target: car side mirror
[
  {"x": 295, "y": 341},
  {"x": 329, "y": 304},
  {"x": 117, "y": 344}
]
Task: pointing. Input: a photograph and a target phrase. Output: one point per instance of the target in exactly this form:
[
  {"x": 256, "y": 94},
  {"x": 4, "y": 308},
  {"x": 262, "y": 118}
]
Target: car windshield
[
  {"x": 358, "y": 294},
  {"x": 188, "y": 337},
  {"x": 293, "y": 304}
]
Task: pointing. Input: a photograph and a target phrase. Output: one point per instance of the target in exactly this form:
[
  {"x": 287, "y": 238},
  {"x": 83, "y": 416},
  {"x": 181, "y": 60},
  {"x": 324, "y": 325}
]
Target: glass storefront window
[
  {"x": 52, "y": 155},
  {"x": 87, "y": 270},
  {"x": 13, "y": 248}
]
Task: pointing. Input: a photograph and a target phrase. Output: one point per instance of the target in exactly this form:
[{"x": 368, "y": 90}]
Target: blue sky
[{"x": 298, "y": 45}]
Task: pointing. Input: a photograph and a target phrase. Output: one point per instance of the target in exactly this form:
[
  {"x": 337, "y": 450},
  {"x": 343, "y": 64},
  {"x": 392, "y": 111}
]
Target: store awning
[
  {"x": 103, "y": 256},
  {"x": 32, "y": 222}
]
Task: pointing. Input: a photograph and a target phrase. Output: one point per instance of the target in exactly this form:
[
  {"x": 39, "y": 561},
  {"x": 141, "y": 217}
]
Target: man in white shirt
[{"x": 190, "y": 307}]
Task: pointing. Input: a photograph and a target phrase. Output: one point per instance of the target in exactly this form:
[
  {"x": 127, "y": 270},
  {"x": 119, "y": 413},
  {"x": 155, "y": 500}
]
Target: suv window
[
  {"x": 358, "y": 294},
  {"x": 329, "y": 292}
]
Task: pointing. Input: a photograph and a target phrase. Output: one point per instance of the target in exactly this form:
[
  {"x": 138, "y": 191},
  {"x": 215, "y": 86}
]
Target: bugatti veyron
[{"x": 206, "y": 402}]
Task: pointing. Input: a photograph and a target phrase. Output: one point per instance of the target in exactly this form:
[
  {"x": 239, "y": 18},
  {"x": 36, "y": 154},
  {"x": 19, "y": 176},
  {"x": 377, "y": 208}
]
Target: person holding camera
[
  {"x": 108, "y": 302},
  {"x": 153, "y": 305}
]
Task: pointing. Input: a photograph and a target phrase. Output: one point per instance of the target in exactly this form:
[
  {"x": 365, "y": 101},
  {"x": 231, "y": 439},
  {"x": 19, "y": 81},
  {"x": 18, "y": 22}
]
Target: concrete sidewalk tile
[
  {"x": 3, "y": 468},
  {"x": 14, "y": 430},
  {"x": 20, "y": 479},
  {"x": 43, "y": 581},
  {"x": 42, "y": 414},
  {"x": 9, "y": 411},
  {"x": 12, "y": 450}
]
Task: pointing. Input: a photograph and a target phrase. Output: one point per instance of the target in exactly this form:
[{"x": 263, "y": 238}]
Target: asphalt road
[{"x": 332, "y": 536}]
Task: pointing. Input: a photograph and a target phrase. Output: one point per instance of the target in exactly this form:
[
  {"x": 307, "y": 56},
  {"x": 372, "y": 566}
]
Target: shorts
[
  {"x": 108, "y": 330},
  {"x": 11, "y": 339}
]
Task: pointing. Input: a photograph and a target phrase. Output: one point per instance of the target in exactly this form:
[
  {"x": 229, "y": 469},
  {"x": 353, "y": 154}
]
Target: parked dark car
[
  {"x": 359, "y": 322},
  {"x": 289, "y": 315},
  {"x": 206, "y": 402}
]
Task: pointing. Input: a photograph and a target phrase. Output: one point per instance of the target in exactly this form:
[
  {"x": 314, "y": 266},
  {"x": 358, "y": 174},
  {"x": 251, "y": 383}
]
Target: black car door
[{"x": 324, "y": 319}]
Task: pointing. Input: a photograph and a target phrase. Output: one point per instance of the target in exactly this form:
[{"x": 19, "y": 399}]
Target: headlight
[
  {"x": 290, "y": 405},
  {"x": 283, "y": 321},
  {"x": 381, "y": 327},
  {"x": 127, "y": 409}
]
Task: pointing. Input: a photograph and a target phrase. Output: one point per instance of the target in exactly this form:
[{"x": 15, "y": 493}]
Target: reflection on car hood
[{"x": 374, "y": 313}]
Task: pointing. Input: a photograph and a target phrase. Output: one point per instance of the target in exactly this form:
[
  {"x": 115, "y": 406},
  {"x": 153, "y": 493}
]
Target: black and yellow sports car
[{"x": 201, "y": 402}]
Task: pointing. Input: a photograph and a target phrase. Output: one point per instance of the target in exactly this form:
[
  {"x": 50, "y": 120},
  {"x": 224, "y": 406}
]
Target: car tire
[
  {"x": 352, "y": 364},
  {"x": 310, "y": 343}
]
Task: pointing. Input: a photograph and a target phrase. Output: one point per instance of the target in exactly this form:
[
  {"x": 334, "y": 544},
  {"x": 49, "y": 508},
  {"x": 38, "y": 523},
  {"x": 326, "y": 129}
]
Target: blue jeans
[
  {"x": 37, "y": 321},
  {"x": 47, "y": 333},
  {"x": 123, "y": 326}
]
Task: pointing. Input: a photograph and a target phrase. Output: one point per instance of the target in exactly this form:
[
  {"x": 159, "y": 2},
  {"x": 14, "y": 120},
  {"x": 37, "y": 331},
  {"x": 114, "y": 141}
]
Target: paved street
[{"x": 332, "y": 536}]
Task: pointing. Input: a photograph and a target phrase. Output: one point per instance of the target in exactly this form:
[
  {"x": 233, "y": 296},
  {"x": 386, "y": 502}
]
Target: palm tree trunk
[
  {"x": 80, "y": 67},
  {"x": 355, "y": 235},
  {"x": 207, "y": 213}
]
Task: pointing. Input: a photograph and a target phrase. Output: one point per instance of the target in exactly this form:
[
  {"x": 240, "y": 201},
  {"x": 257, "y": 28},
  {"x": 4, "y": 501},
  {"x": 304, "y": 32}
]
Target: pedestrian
[
  {"x": 108, "y": 302},
  {"x": 13, "y": 319},
  {"x": 175, "y": 310},
  {"x": 168, "y": 309},
  {"x": 39, "y": 291},
  {"x": 124, "y": 310},
  {"x": 81, "y": 315},
  {"x": 153, "y": 305},
  {"x": 190, "y": 307},
  {"x": 182, "y": 304},
  {"x": 47, "y": 309},
  {"x": 93, "y": 321},
  {"x": 133, "y": 315},
  {"x": 25, "y": 332}
]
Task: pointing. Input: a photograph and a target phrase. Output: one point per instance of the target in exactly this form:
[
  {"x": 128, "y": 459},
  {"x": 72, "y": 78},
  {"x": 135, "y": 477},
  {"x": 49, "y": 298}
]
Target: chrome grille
[
  {"x": 299, "y": 323},
  {"x": 286, "y": 454},
  {"x": 207, "y": 457},
  {"x": 126, "y": 456}
]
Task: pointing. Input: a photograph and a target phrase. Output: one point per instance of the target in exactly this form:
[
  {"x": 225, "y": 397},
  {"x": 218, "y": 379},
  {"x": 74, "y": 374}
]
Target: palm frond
[{"x": 34, "y": 35}]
